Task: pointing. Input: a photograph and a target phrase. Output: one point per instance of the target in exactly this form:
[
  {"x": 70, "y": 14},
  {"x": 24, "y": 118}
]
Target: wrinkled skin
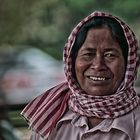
[{"x": 100, "y": 65}]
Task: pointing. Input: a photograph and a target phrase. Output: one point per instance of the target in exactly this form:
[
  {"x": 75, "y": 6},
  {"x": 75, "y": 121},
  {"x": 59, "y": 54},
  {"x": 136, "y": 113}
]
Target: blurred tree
[
  {"x": 14, "y": 14},
  {"x": 127, "y": 8},
  {"x": 51, "y": 29},
  {"x": 47, "y": 23}
]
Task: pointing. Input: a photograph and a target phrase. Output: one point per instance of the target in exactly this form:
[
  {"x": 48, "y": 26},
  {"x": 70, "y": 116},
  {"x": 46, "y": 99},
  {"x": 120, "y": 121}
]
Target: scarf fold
[
  {"x": 45, "y": 111},
  {"x": 106, "y": 107}
]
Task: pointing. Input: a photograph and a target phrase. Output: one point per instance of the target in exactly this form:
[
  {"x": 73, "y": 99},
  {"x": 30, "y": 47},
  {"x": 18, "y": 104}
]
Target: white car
[{"x": 33, "y": 74}]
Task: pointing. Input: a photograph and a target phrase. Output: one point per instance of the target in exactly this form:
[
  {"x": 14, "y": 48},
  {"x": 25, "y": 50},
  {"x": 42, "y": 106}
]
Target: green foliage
[
  {"x": 13, "y": 16},
  {"x": 47, "y": 23},
  {"x": 127, "y": 8},
  {"x": 16, "y": 119}
]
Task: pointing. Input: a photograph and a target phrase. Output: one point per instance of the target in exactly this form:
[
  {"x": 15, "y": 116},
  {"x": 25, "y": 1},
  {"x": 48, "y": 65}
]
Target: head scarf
[{"x": 44, "y": 111}]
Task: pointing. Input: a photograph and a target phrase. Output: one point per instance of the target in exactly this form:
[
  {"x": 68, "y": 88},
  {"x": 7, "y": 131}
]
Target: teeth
[{"x": 97, "y": 78}]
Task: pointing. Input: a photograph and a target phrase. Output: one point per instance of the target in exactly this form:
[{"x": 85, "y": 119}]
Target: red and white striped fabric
[{"x": 44, "y": 111}]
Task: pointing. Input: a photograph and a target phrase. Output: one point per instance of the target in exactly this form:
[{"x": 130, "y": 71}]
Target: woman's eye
[
  {"x": 88, "y": 54},
  {"x": 110, "y": 55}
]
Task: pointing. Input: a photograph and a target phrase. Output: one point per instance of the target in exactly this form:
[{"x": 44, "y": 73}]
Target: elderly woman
[{"x": 98, "y": 101}]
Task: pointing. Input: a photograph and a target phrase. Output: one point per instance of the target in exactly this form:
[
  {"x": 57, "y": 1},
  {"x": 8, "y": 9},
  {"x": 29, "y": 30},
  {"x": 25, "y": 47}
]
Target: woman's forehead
[{"x": 100, "y": 34}]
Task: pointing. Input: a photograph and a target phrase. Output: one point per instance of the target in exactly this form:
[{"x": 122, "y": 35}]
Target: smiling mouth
[{"x": 98, "y": 78}]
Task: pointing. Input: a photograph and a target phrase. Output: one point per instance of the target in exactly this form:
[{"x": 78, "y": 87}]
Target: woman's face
[{"x": 100, "y": 65}]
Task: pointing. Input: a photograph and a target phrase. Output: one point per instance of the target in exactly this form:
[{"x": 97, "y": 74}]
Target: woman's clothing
[
  {"x": 44, "y": 112},
  {"x": 75, "y": 127}
]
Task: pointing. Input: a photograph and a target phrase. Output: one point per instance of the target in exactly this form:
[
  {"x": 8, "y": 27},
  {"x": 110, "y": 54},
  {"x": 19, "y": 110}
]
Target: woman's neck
[{"x": 94, "y": 121}]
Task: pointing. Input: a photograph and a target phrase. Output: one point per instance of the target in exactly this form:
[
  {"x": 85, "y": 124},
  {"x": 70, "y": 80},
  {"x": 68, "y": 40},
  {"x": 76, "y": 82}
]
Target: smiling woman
[
  {"x": 100, "y": 64},
  {"x": 101, "y": 61}
]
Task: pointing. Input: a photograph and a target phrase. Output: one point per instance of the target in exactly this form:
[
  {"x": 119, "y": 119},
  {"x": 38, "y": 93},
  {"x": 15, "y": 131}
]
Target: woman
[{"x": 98, "y": 100}]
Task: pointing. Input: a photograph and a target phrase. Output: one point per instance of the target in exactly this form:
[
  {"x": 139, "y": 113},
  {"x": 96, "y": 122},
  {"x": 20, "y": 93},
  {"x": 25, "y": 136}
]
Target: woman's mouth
[{"x": 97, "y": 78}]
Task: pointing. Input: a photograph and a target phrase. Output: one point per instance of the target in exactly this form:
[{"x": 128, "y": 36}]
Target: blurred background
[{"x": 32, "y": 36}]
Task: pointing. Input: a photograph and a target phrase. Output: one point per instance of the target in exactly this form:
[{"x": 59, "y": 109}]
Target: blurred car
[{"x": 32, "y": 74}]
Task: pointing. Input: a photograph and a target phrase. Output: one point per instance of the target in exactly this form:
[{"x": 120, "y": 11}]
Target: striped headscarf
[{"x": 44, "y": 111}]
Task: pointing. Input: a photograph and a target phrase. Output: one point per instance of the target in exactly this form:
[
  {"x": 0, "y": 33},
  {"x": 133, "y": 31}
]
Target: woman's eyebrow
[
  {"x": 110, "y": 49},
  {"x": 89, "y": 49}
]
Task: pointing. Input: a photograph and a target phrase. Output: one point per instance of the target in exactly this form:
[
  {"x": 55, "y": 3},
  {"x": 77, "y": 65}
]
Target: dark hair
[{"x": 96, "y": 22}]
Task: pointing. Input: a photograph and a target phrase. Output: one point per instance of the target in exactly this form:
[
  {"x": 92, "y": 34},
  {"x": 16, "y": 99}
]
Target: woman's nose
[{"x": 98, "y": 63}]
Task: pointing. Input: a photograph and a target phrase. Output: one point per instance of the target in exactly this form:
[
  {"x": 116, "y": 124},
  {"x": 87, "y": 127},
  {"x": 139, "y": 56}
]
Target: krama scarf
[{"x": 44, "y": 111}]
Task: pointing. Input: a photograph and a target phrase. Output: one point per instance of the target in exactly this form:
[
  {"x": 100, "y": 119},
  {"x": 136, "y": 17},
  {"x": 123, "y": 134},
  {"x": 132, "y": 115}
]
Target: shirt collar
[
  {"x": 124, "y": 123},
  {"x": 75, "y": 119}
]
